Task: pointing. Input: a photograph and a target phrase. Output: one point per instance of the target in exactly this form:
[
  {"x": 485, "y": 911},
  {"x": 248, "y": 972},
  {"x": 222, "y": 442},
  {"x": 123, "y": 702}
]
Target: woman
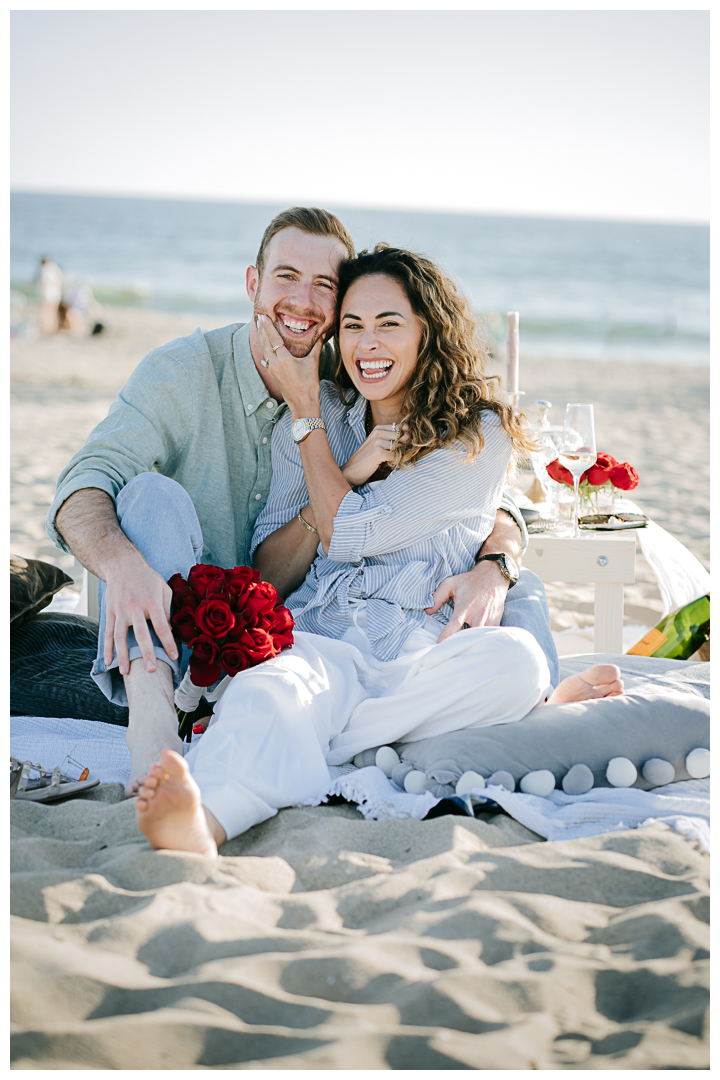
[{"x": 393, "y": 482}]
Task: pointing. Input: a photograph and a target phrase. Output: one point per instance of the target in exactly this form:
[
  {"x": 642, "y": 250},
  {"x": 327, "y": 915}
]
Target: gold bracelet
[{"x": 302, "y": 519}]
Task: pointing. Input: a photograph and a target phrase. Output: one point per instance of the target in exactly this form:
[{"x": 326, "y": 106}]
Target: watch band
[
  {"x": 501, "y": 559},
  {"x": 312, "y": 422}
]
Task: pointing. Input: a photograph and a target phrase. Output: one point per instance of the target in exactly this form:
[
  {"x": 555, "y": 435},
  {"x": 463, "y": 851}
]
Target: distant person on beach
[
  {"x": 196, "y": 419},
  {"x": 77, "y": 302},
  {"x": 50, "y": 287}
]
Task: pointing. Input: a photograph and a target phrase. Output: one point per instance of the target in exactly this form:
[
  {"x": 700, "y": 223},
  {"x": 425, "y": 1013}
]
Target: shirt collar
[{"x": 253, "y": 391}]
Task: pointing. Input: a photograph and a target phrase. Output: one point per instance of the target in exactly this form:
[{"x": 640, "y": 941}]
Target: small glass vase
[{"x": 596, "y": 500}]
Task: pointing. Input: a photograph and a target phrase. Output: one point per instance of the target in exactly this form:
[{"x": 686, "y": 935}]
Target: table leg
[{"x": 608, "y": 617}]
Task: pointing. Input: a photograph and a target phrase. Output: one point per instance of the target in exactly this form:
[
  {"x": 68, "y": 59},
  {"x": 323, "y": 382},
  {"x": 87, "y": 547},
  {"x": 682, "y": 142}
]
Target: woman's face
[{"x": 379, "y": 337}]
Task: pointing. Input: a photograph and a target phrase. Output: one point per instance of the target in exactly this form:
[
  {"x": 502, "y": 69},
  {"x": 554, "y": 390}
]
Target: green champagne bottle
[{"x": 679, "y": 635}]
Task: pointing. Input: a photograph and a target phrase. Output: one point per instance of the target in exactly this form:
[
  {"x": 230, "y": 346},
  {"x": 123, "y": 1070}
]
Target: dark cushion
[
  {"x": 51, "y": 656},
  {"x": 32, "y": 586},
  {"x": 648, "y": 722}
]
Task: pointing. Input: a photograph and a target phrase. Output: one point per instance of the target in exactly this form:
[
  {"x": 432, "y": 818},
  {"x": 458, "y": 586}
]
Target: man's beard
[{"x": 298, "y": 349}]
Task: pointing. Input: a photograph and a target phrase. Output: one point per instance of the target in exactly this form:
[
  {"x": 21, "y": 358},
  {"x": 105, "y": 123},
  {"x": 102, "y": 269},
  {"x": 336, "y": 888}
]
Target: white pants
[{"x": 278, "y": 726}]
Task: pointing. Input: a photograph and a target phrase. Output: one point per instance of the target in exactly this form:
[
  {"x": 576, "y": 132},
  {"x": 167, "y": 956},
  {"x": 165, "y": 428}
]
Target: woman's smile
[{"x": 379, "y": 337}]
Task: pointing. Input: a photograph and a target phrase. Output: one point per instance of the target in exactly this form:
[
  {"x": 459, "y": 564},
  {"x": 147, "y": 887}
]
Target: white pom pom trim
[
  {"x": 386, "y": 759},
  {"x": 468, "y": 781},
  {"x": 539, "y": 782},
  {"x": 621, "y": 772},
  {"x": 697, "y": 763},
  {"x": 415, "y": 782}
]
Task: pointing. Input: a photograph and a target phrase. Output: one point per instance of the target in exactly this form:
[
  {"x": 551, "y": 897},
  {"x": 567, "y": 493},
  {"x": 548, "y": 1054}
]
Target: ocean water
[{"x": 584, "y": 289}]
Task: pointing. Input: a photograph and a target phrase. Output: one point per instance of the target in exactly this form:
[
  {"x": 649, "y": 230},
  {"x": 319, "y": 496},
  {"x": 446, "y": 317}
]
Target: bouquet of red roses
[
  {"x": 606, "y": 470},
  {"x": 230, "y": 620}
]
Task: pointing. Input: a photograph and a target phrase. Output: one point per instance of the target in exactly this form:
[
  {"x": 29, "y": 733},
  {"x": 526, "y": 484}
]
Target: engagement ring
[
  {"x": 276, "y": 347},
  {"x": 265, "y": 361}
]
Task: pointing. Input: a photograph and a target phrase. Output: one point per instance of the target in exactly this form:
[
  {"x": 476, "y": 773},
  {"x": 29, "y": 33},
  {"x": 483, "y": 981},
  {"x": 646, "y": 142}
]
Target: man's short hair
[{"x": 311, "y": 220}]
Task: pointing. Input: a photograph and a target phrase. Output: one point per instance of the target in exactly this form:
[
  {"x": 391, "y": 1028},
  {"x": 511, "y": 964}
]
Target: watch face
[
  {"x": 298, "y": 430},
  {"x": 511, "y": 567}
]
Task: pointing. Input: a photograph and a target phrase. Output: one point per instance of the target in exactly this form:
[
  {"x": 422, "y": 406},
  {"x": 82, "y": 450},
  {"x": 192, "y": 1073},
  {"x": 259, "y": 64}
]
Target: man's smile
[
  {"x": 296, "y": 326},
  {"x": 374, "y": 369}
]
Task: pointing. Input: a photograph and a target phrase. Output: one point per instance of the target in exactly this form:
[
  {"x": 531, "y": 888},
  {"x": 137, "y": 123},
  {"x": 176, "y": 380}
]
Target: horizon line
[{"x": 390, "y": 208}]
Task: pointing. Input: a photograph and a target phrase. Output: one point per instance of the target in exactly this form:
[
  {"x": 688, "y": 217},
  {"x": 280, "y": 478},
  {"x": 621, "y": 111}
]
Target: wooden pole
[{"x": 513, "y": 357}]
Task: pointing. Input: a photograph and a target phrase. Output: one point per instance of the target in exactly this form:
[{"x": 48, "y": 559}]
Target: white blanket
[{"x": 684, "y": 806}]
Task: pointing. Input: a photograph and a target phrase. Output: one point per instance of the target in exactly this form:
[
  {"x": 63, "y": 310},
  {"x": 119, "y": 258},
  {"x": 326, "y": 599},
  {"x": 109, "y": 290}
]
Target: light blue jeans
[{"x": 158, "y": 517}]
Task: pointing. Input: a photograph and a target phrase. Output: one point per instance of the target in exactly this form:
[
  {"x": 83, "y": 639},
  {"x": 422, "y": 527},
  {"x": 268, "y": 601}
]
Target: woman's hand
[
  {"x": 377, "y": 449},
  {"x": 297, "y": 377}
]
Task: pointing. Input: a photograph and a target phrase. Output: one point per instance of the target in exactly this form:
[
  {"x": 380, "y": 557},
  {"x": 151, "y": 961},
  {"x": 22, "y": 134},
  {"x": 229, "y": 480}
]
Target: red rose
[
  {"x": 214, "y": 616},
  {"x": 243, "y": 621},
  {"x": 558, "y": 472},
  {"x": 261, "y": 599},
  {"x": 204, "y": 667},
  {"x": 233, "y": 658},
  {"x": 257, "y": 646},
  {"x": 624, "y": 477},
  {"x": 206, "y": 579},
  {"x": 183, "y": 624},
  {"x": 238, "y": 581},
  {"x": 282, "y": 630},
  {"x": 183, "y": 595},
  {"x": 599, "y": 474}
]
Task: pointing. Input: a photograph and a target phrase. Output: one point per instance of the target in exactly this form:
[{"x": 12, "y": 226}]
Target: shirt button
[
  {"x": 249, "y": 408},
  {"x": 264, "y": 441},
  {"x": 269, "y": 404},
  {"x": 258, "y": 496}
]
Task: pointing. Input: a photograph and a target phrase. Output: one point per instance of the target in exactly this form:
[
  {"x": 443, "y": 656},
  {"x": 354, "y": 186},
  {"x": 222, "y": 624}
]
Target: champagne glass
[{"x": 578, "y": 451}]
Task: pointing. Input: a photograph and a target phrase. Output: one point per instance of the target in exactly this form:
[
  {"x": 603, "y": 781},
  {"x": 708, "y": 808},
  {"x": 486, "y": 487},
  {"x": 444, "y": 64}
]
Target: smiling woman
[{"x": 408, "y": 343}]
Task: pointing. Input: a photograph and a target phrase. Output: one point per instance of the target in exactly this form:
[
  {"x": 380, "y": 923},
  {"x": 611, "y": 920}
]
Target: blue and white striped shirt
[{"x": 394, "y": 540}]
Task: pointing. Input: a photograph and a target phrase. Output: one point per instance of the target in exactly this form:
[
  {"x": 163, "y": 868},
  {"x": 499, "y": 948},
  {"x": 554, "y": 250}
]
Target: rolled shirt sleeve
[
  {"x": 508, "y": 504},
  {"x": 146, "y": 428}
]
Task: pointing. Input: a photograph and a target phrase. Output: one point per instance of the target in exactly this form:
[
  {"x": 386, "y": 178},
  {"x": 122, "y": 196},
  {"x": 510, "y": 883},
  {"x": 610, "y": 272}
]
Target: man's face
[{"x": 298, "y": 287}]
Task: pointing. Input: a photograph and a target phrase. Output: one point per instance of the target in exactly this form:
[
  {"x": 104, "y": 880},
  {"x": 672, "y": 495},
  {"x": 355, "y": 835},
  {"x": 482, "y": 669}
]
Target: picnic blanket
[{"x": 683, "y": 806}]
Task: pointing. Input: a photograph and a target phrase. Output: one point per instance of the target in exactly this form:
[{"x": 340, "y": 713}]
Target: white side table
[{"x": 606, "y": 559}]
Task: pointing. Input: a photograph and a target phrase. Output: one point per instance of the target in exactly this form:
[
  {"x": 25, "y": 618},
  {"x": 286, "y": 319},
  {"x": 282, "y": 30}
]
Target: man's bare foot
[
  {"x": 169, "y": 809},
  {"x": 598, "y": 681}
]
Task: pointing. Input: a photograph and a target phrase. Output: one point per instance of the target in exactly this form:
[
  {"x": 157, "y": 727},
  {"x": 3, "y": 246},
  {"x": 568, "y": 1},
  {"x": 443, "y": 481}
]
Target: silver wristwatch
[{"x": 302, "y": 428}]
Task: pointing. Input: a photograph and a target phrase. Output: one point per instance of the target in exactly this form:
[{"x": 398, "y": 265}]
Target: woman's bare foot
[
  {"x": 598, "y": 681},
  {"x": 169, "y": 809}
]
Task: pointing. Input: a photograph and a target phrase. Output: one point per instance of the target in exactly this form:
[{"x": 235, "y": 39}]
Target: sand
[{"x": 320, "y": 940}]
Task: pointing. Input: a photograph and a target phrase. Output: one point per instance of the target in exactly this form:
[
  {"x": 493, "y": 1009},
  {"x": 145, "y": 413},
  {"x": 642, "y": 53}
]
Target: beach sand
[{"x": 320, "y": 940}]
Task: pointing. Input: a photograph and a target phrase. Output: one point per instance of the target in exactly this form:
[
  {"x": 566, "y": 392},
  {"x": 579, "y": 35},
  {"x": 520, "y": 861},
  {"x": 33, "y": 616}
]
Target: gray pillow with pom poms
[{"x": 663, "y": 714}]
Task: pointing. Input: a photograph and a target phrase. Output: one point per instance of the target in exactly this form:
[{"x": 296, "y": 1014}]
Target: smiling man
[{"x": 180, "y": 469}]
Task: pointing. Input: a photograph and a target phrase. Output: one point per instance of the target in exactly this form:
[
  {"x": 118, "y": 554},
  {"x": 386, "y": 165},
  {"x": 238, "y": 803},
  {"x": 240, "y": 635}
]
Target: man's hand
[
  {"x": 375, "y": 451},
  {"x": 136, "y": 594},
  {"x": 478, "y": 597}
]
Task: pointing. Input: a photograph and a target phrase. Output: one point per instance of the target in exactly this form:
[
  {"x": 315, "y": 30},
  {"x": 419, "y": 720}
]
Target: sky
[{"x": 566, "y": 113}]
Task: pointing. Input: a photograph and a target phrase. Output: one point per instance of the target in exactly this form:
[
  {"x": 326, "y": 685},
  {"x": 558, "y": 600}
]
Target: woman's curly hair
[{"x": 448, "y": 391}]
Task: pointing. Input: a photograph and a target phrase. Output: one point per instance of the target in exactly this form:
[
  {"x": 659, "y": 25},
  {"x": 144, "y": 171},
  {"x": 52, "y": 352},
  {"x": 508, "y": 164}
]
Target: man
[{"x": 180, "y": 468}]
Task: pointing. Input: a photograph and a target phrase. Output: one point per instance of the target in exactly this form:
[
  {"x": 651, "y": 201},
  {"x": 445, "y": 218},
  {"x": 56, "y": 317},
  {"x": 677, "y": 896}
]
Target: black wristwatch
[{"x": 508, "y": 566}]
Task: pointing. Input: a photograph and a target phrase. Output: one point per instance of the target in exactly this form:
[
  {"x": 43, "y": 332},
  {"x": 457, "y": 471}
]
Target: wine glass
[{"x": 578, "y": 451}]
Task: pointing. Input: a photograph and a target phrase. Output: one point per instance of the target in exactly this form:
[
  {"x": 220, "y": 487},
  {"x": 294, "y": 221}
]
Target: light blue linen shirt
[{"x": 394, "y": 540}]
